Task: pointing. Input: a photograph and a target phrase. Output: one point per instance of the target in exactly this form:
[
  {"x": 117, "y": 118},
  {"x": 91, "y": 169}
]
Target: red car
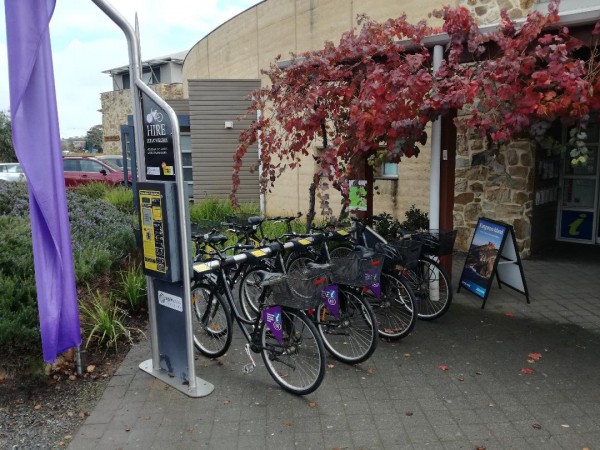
[{"x": 86, "y": 169}]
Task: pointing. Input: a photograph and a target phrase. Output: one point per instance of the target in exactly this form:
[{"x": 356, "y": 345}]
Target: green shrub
[
  {"x": 416, "y": 220},
  {"x": 19, "y": 325},
  {"x": 121, "y": 198},
  {"x": 133, "y": 288},
  {"x": 90, "y": 260},
  {"x": 94, "y": 190},
  {"x": 102, "y": 321},
  {"x": 218, "y": 210}
]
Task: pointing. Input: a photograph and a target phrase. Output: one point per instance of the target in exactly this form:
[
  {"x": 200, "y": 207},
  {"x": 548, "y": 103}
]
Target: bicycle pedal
[{"x": 248, "y": 368}]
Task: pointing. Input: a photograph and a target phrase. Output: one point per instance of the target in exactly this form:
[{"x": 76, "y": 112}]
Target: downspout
[{"x": 436, "y": 151}]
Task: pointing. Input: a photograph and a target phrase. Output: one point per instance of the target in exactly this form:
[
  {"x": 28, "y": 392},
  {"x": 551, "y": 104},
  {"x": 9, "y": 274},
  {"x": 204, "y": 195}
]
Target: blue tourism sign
[{"x": 577, "y": 225}]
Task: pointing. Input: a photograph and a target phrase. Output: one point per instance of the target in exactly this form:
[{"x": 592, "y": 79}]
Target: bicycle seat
[
  {"x": 218, "y": 239},
  {"x": 255, "y": 220},
  {"x": 268, "y": 278}
]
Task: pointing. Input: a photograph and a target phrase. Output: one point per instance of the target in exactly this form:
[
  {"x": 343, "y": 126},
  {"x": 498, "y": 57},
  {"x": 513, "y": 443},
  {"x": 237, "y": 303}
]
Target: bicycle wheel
[
  {"x": 431, "y": 284},
  {"x": 298, "y": 263},
  {"x": 341, "y": 251},
  {"x": 352, "y": 336},
  {"x": 250, "y": 291},
  {"x": 396, "y": 309},
  {"x": 297, "y": 364},
  {"x": 211, "y": 322}
]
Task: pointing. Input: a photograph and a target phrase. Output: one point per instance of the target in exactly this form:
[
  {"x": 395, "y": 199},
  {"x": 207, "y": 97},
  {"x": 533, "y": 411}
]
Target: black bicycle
[{"x": 289, "y": 343}]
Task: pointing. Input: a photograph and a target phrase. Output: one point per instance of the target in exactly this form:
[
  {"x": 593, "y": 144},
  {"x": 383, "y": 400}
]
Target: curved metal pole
[{"x": 137, "y": 87}]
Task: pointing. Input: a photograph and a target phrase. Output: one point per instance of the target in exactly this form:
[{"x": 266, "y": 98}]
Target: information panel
[
  {"x": 158, "y": 142},
  {"x": 158, "y": 227},
  {"x": 493, "y": 252}
]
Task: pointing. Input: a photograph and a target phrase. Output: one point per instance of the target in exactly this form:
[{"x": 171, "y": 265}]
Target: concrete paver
[{"x": 400, "y": 398}]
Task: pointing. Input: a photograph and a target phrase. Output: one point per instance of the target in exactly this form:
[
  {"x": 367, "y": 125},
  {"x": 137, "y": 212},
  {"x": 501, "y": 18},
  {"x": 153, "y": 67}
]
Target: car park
[
  {"x": 85, "y": 169},
  {"x": 11, "y": 172}
]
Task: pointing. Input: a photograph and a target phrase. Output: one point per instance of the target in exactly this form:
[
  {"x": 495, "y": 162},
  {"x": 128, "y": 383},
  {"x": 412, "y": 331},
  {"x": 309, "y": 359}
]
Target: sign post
[
  {"x": 165, "y": 229},
  {"x": 493, "y": 252}
]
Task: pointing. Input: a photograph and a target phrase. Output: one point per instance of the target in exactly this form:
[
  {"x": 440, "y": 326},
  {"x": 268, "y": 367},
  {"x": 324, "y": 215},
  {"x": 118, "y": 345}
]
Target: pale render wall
[
  {"x": 243, "y": 46},
  {"x": 251, "y": 41}
]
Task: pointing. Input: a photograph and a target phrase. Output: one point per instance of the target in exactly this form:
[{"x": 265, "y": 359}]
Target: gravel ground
[{"x": 45, "y": 412}]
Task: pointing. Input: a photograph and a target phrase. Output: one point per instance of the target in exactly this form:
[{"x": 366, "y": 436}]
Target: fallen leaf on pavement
[
  {"x": 226, "y": 402},
  {"x": 407, "y": 355},
  {"x": 443, "y": 367},
  {"x": 536, "y": 426},
  {"x": 330, "y": 366},
  {"x": 37, "y": 407},
  {"x": 91, "y": 368},
  {"x": 531, "y": 361},
  {"x": 409, "y": 413},
  {"x": 312, "y": 405},
  {"x": 72, "y": 377},
  {"x": 461, "y": 378},
  {"x": 370, "y": 371},
  {"x": 536, "y": 356},
  {"x": 509, "y": 315},
  {"x": 526, "y": 371}
]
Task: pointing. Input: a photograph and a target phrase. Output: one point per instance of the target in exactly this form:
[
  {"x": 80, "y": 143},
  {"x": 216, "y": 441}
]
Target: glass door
[{"x": 579, "y": 204}]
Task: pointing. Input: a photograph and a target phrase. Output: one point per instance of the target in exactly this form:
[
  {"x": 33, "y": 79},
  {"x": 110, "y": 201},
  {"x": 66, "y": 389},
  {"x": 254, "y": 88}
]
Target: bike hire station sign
[
  {"x": 158, "y": 142},
  {"x": 493, "y": 251}
]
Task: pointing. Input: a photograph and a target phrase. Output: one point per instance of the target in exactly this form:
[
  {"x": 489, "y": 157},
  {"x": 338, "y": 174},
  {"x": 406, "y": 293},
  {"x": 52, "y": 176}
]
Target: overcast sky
[{"x": 85, "y": 42}]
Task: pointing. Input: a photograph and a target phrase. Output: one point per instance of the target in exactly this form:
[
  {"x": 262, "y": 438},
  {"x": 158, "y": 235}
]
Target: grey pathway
[{"x": 400, "y": 398}]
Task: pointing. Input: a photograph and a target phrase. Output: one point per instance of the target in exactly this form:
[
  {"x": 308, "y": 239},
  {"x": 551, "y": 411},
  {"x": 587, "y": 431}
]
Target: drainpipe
[
  {"x": 436, "y": 139},
  {"x": 434, "y": 178}
]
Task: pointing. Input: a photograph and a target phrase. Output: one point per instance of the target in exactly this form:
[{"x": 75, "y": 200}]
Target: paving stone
[{"x": 407, "y": 402}]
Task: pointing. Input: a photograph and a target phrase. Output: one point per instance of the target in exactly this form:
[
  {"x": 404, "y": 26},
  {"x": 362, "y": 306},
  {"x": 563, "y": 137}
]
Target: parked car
[
  {"x": 115, "y": 161},
  {"x": 11, "y": 172},
  {"x": 86, "y": 169}
]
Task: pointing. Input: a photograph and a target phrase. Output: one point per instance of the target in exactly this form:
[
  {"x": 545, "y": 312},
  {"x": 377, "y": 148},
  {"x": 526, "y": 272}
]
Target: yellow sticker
[
  {"x": 258, "y": 253},
  {"x": 201, "y": 268},
  {"x": 304, "y": 242},
  {"x": 343, "y": 232}
]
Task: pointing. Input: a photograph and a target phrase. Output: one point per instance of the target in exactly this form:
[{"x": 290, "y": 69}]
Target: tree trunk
[{"x": 310, "y": 216}]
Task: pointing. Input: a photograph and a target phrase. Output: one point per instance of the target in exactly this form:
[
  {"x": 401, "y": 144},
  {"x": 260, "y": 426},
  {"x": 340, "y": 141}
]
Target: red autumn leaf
[
  {"x": 509, "y": 315},
  {"x": 536, "y": 356},
  {"x": 526, "y": 371},
  {"x": 443, "y": 367}
]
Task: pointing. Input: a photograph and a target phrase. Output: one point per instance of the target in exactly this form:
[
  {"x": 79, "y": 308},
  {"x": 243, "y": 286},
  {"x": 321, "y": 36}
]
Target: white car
[{"x": 11, "y": 172}]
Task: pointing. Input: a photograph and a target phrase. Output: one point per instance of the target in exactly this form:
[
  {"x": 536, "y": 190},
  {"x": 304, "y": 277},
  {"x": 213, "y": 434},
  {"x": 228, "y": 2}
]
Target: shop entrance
[{"x": 578, "y": 203}]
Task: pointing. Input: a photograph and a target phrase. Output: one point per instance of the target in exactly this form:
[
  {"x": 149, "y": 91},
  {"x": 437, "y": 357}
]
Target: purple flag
[{"x": 36, "y": 138}]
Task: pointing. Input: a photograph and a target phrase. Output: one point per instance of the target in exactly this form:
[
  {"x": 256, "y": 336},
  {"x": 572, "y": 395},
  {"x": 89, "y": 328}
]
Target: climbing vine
[{"x": 371, "y": 96}]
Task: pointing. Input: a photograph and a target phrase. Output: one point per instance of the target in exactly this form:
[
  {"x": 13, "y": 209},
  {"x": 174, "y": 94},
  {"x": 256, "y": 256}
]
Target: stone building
[{"x": 533, "y": 191}]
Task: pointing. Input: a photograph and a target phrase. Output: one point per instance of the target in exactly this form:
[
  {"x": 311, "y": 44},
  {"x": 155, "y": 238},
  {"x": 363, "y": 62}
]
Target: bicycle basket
[
  {"x": 436, "y": 242},
  {"x": 355, "y": 270},
  {"x": 407, "y": 254},
  {"x": 300, "y": 290}
]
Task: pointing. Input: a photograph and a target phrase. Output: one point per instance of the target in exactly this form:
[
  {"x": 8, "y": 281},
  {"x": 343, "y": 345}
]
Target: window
[
  {"x": 387, "y": 171},
  {"x": 91, "y": 166},
  {"x": 185, "y": 141},
  {"x": 150, "y": 75},
  {"x": 71, "y": 165}
]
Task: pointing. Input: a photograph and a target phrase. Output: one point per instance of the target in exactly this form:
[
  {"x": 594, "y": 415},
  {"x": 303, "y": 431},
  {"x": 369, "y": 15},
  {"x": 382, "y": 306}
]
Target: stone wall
[
  {"x": 501, "y": 188},
  {"x": 488, "y": 11},
  {"x": 116, "y": 106}
]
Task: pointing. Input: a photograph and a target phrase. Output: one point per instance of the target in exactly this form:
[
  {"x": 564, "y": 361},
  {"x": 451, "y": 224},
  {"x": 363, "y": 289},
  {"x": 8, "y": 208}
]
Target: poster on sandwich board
[{"x": 493, "y": 253}]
